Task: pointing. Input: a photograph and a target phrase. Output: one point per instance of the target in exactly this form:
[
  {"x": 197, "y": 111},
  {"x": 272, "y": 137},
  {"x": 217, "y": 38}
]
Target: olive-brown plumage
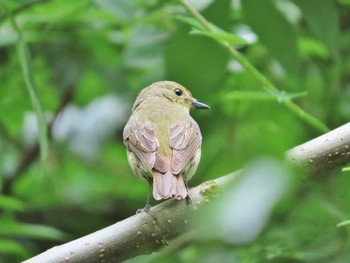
[{"x": 163, "y": 141}]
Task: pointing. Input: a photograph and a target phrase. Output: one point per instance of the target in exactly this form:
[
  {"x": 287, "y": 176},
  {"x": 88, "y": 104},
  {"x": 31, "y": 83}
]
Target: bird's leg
[
  {"x": 188, "y": 200},
  {"x": 147, "y": 207},
  {"x": 188, "y": 197}
]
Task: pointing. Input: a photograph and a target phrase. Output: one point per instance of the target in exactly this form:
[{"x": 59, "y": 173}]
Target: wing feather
[
  {"x": 144, "y": 143},
  {"x": 185, "y": 140}
]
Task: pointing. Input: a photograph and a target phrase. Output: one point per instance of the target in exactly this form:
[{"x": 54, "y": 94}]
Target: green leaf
[
  {"x": 41, "y": 232},
  {"x": 343, "y": 223},
  {"x": 12, "y": 228},
  {"x": 310, "y": 47},
  {"x": 323, "y": 19},
  {"x": 249, "y": 95},
  {"x": 346, "y": 169},
  {"x": 221, "y": 36},
  {"x": 122, "y": 9},
  {"x": 283, "y": 96},
  {"x": 190, "y": 21},
  {"x": 10, "y": 203},
  {"x": 12, "y": 247},
  {"x": 274, "y": 32},
  {"x": 344, "y": 2}
]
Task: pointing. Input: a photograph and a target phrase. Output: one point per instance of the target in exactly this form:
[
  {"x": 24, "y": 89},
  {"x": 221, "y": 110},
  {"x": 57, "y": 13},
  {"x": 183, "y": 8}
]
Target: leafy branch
[{"x": 204, "y": 27}]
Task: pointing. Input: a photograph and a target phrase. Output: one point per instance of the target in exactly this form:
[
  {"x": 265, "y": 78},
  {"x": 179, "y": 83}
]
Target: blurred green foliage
[{"x": 82, "y": 52}]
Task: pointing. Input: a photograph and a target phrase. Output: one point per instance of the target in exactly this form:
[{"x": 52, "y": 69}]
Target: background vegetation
[{"x": 87, "y": 61}]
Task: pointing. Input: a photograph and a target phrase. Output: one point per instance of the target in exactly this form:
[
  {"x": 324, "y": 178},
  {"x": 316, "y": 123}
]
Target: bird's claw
[
  {"x": 188, "y": 200},
  {"x": 146, "y": 209}
]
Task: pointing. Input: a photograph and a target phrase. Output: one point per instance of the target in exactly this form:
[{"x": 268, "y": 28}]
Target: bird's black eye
[{"x": 178, "y": 92}]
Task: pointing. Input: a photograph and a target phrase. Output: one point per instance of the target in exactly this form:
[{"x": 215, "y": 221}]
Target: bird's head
[{"x": 170, "y": 92}]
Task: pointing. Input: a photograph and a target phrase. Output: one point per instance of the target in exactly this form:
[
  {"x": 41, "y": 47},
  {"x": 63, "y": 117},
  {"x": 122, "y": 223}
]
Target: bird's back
[{"x": 162, "y": 139}]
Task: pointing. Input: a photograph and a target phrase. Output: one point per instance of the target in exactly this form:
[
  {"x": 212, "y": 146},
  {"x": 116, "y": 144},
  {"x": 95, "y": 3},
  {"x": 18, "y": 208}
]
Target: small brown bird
[{"x": 163, "y": 141}]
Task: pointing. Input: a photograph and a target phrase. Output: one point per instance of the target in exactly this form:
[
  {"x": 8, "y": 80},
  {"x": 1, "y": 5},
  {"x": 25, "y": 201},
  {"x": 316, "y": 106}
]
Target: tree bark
[
  {"x": 323, "y": 155},
  {"x": 145, "y": 233}
]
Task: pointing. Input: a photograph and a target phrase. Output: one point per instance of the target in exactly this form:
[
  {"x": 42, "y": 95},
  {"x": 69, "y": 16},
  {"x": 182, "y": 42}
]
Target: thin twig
[{"x": 24, "y": 59}]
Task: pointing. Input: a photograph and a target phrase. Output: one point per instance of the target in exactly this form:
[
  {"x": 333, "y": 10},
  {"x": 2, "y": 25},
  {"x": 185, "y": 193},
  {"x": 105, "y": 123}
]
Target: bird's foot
[
  {"x": 146, "y": 209},
  {"x": 188, "y": 200}
]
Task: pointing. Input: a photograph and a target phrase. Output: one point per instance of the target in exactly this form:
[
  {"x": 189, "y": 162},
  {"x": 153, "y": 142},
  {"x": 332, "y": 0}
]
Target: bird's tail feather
[{"x": 168, "y": 185}]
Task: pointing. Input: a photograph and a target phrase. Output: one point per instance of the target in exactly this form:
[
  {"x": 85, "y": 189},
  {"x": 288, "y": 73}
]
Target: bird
[{"x": 163, "y": 141}]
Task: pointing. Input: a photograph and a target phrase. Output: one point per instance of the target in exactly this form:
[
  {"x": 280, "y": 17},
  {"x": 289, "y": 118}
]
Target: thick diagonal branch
[{"x": 145, "y": 233}]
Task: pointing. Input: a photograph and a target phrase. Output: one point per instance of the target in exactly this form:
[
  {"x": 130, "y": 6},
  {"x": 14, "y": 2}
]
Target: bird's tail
[{"x": 168, "y": 185}]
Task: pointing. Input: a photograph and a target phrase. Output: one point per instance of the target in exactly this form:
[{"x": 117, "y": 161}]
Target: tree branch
[
  {"x": 323, "y": 155},
  {"x": 145, "y": 233}
]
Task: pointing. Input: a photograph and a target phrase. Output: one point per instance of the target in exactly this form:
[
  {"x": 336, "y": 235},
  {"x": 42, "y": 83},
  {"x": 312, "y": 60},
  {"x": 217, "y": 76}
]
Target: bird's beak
[{"x": 199, "y": 105}]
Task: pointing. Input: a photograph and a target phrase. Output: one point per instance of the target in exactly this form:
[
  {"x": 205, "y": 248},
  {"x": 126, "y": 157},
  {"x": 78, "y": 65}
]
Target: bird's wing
[
  {"x": 144, "y": 144},
  {"x": 185, "y": 141}
]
